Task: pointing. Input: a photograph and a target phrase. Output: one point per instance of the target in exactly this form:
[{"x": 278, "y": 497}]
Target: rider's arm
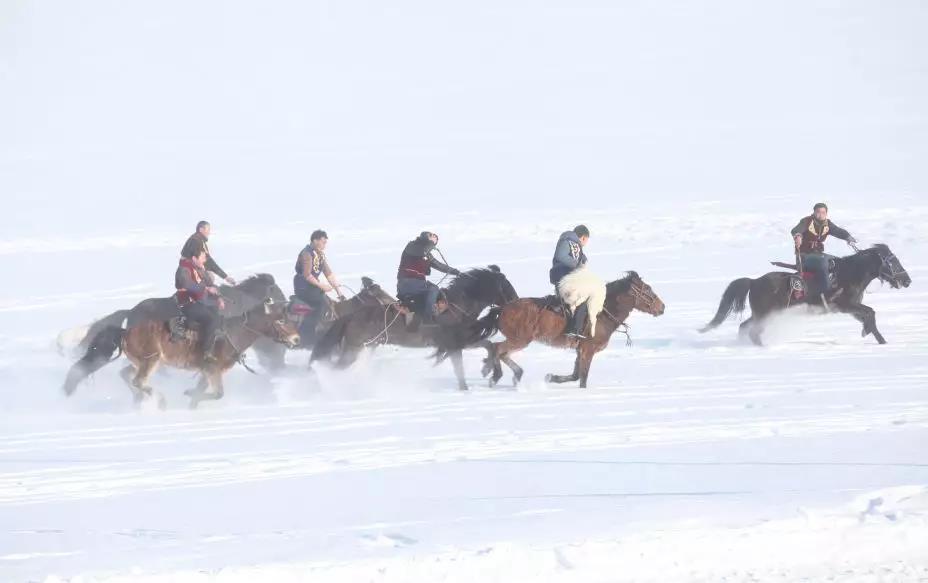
[
  {"x": 439, "y": 266},
  {"x": 214, "y": 267},
  {"x": 840, "y": 233},
  {"x": 329, "y": 275}
]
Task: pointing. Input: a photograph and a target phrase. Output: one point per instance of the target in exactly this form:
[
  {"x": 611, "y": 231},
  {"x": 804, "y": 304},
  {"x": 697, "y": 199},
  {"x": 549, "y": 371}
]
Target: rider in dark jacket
[
  {"x": 199, "y": 241},
  {"x": 416, "y": 263},
  {"x": 568, "y": 256},
  {"x": 198, "y": 299},
  {"x": 809, "y": 237},
  {"x": 311, "y": 266}
]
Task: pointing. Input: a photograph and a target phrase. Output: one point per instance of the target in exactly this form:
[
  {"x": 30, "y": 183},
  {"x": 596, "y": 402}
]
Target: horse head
[
  {"x": 632, "y": 293},
  {"x": 891, "y": 269}
]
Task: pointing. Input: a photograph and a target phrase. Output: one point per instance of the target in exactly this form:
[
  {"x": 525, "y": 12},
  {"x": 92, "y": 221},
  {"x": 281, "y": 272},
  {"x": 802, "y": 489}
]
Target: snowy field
[{"x": 689, "y": 138}]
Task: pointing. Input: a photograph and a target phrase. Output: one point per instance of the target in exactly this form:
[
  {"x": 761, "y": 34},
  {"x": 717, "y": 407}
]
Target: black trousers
[
  {"x": 316, "y": 299},
  {"x": 209, "y": 320}
]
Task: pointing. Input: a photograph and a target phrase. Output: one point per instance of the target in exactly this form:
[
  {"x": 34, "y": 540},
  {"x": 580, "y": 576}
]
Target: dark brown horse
[
  {"x": 467, "y": 296},
  {"x": 534, "y": 320},
  {"x": 272, "y": 354},
  {"x": 148, "y": 344},
  {"x": 774, "y": 292}
]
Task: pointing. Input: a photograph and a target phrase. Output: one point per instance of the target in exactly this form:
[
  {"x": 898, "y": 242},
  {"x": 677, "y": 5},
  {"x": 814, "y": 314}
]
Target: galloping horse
[
  {"x": 272, "y": 354},
  {"x": 773, "y": 292},
  {"x": 535, "y": 320},
  {"x": 148, "y": 343},
  {"x": 467, "y": 296}
]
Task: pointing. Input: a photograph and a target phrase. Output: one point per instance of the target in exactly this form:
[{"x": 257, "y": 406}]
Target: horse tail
[
  {"x": 480, "y": 330},
  {"x": 99, "y": 354},
  {"x": 325, "y": 346},
  {"x": 115, "y": 319},
  {"x": 733, "y": 301}
]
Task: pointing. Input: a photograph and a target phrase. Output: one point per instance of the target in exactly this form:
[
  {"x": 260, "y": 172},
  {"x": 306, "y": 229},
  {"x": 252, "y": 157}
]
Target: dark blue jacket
[{"x": 568, "y": 255}]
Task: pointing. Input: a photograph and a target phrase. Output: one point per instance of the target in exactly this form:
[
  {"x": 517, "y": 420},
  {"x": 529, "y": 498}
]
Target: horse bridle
[
  {"x": 887, "y": 264},
  {"x": 639, "y": 292},
  {"x": 277, "y": 324}
]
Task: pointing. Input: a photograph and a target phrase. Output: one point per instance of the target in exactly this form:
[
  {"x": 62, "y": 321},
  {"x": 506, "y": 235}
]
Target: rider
[
  {"x": 308, "y": 286},
  {"x": 200, "y": 241},
  {"x": 416, "y": 263},
  {"x": 809, "y": 236},
  {"x": 198, "y": 298},
  {"x": 568, "y": 256}
]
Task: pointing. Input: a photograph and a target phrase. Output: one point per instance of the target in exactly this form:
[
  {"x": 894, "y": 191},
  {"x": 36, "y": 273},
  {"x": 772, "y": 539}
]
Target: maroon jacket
[{"x": 417, "y": 261}]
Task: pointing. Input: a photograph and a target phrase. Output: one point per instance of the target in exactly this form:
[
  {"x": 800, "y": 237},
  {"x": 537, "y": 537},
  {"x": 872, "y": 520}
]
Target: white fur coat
[{"x": 582, "y": 285}]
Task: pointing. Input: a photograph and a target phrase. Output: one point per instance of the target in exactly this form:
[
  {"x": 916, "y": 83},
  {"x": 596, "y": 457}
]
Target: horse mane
[
  {"x": 622, "y": 285},
  {"x": 471, "y": 280},
  {"x": 250, "y": 293}
]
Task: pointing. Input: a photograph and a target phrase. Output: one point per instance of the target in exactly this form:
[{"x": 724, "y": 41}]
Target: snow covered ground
[
  {"x": 690, "y": 137},
  {"x": 691, "y": 457}
]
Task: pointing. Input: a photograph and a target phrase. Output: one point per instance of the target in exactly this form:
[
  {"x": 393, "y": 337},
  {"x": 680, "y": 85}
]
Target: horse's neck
[
  {"x": 864, "y": 266},
  {"x": 610, "y": 325},
  {"x": 469, "y": 306},
  {"x": 240, "y": 334}
]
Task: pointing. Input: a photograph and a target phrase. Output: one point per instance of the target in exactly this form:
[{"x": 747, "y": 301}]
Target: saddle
[
  {"x": 553, "y": 304},
  {"x": 801, "y": 282},
  {"x": 297, "y": 310},
  {"x": 182, "y": 329}
]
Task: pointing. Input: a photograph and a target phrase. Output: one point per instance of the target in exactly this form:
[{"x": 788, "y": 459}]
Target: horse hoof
[
  {"x": 549, "y": 378},
  {"x": 492, "y": 383}
]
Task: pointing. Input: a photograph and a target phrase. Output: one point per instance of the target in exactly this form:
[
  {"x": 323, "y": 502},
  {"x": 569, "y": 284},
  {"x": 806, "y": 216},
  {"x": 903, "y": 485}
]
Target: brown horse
[
  {"x": 148, "y": 344},
  {"x": 534, "y": 320}
]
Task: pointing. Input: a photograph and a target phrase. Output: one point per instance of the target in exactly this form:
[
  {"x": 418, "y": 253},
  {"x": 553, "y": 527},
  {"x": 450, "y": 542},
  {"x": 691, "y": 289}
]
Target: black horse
[
  {"x": 775, "y": 291},
  {"x": 467, "y": 296}
]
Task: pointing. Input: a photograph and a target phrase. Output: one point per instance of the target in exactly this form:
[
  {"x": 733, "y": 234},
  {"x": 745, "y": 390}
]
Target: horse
[
  {"x": 272, "y": 354},
  {"x": 238, "y": 300},
  {"x": 147, "y": 343},
  {"x": 775, "y": 292},
  {"x": 467, "y": 296},
  {"x": 543, "y": 320}
]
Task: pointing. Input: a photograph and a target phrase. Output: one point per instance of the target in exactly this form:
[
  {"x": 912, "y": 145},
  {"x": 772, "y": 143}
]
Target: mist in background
[{"x": 120, "y": 115}]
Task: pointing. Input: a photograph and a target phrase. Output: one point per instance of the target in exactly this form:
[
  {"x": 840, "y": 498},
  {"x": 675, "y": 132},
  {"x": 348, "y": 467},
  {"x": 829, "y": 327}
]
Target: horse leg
[
  {"x": 502, "y": 350},
  {"x": 517, "y": 371},
  {"x": 867, "y": 316},
  {"x": 140, "y": 382},
  {"x": 754, "y": 333},
  {"x": 127, "y": 373},
  {"x": 457, "y": 361},
  {"x": 745, "y": 327},
  {"x": 556, "y": 378},
  {"x": 201, "y": 387},
  {"x": 491, "y": 356},
  {"x": 209, "y": 389},
  {"x": 347, "y": 357},
  {"x": 585, "y": 356}
]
